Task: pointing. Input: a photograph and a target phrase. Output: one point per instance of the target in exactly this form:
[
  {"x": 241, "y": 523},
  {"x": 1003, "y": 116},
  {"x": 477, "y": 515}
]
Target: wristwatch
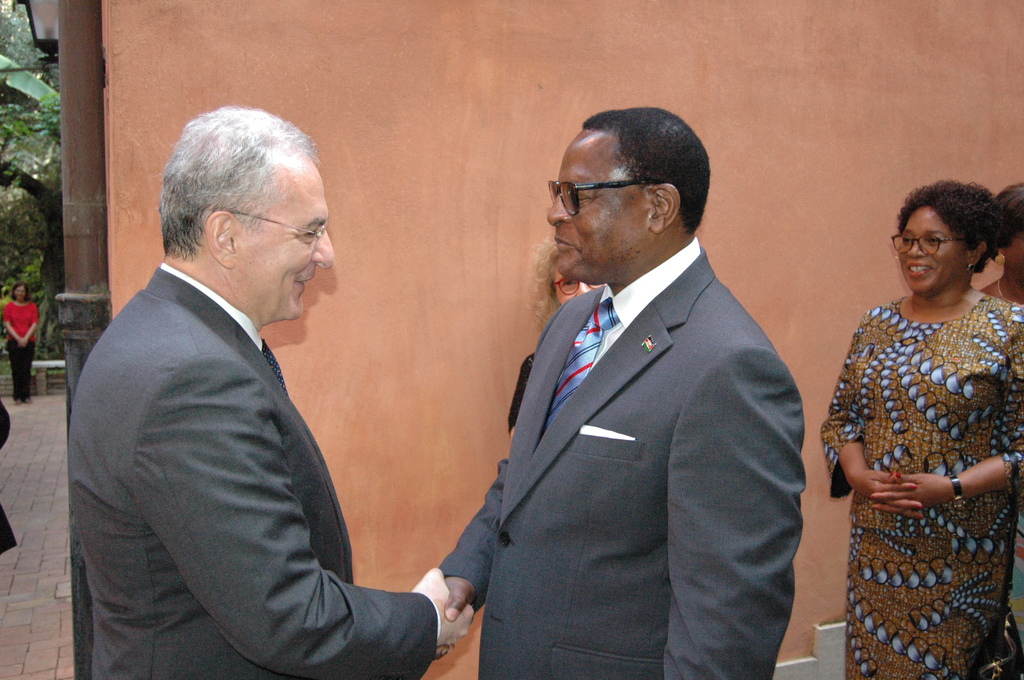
[{"x": 958, "y": 493}]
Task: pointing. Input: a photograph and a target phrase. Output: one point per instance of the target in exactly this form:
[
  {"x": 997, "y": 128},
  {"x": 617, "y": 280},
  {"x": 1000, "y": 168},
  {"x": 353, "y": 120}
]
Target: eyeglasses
[
  {"x": 570, "y": 191},
  {"x": 567, "y": 286},
  {"x": 317, "y": 233},
  {"x": 929, "y": 245}
]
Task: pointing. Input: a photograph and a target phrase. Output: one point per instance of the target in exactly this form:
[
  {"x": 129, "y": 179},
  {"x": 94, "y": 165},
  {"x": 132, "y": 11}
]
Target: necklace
[{"x": 999, "y": 287}]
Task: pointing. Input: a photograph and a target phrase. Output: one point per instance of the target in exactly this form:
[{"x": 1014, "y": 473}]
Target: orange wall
[{"x": 439, "y": 123}]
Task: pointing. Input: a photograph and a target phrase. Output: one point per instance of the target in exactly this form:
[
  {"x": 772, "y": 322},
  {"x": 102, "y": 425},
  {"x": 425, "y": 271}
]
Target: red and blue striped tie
[{"x": 581, "y": 357}]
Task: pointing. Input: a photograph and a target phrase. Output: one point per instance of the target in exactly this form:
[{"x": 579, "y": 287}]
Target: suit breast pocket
[{"x": 604, "y": 447}]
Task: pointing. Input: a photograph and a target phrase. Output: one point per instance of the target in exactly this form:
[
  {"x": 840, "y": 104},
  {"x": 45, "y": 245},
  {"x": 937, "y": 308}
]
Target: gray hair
[{"x": 225, "y": 160}]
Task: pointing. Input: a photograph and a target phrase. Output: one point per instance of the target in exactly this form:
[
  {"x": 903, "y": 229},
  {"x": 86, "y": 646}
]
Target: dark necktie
[
  {"x": 582, "y": 355},
  {"x": 274, "y": 366}
]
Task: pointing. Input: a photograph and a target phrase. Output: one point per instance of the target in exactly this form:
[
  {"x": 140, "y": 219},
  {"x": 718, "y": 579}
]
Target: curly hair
[
  {"x": 658, "y": 146},
  {"x": 545, "y": 300},
  {"x": 969, "y": 210},
  {"x": 1011, "y": 201}
]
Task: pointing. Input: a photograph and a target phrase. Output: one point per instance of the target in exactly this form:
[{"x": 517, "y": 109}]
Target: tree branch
[{"x": 11, "y": 174}]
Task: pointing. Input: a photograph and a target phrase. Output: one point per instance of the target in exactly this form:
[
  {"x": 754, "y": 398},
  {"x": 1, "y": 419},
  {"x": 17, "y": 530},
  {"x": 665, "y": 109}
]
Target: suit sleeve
[
  {"x": 216, "y": 488},
  {"x": 734, "y": 483},
  {"x": 474, "y": 554}
]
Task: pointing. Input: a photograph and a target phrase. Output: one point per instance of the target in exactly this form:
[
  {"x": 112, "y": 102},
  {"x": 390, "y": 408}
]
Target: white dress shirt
[
  {"x": 245, "y": 322},
  {"x": 635, "y": 297}
]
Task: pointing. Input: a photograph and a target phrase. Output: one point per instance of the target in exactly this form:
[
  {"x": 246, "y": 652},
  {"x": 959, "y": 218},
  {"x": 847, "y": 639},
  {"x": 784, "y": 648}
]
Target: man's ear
[
  {"x": 664, "y": 207},
  {"x": 221, "y": 237}
]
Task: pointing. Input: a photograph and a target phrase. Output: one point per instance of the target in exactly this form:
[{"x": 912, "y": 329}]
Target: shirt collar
[
  {"x": 245, "y": 322},
  {"x": 635, "y": 297}
]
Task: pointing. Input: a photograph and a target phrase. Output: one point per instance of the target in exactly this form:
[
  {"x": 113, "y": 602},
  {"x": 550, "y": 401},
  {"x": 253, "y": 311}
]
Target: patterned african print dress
[{"x": 938, "y": 398}]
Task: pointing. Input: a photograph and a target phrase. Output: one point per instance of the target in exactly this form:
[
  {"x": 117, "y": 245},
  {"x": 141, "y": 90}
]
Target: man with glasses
[
  {"x": 645, "y": 521},
  {"x": 213, "y": 540}
]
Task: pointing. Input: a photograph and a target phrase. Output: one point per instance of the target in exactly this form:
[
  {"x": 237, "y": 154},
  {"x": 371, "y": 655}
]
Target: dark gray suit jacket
[
  {"x": 213, "y": 540},
  {"x": 668, "y": 556}
]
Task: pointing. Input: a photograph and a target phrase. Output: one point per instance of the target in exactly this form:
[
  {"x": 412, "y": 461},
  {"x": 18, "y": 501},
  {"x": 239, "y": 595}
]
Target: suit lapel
[
  {"x": 533, "y": 452},
  {"x": 547, "y": 367},
  {"x": 552, "y": 352},
  {"x": 169, "y": 287}
]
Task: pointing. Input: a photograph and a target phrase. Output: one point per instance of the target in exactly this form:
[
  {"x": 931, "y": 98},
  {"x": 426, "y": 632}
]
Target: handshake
[{"x": 453, "y": 598}]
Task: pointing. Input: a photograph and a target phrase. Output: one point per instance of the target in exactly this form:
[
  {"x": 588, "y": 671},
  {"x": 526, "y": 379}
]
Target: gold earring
[{"x": 1000, "y": 260}]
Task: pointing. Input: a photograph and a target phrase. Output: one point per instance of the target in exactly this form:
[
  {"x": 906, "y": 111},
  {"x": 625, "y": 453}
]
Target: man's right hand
[
  {"x": 461, "y": 593},
  {"x": 454, "y": 629}
]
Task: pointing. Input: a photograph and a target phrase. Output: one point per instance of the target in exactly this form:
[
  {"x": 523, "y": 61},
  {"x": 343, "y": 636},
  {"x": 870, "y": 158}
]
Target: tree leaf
[{"x": 25, "y": 81}]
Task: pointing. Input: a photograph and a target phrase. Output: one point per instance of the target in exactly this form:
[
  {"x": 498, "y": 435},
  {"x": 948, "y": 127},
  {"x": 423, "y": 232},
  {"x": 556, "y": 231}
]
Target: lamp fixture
[{"x": 42, "y": 16}]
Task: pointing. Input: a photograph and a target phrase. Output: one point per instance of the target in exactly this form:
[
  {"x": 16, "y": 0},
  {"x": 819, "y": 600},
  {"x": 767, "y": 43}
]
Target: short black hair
[
  {"x": 969, "y": 210},
  {"x": 658, "y": 146},
  {"x": 1011, "y": 201}
]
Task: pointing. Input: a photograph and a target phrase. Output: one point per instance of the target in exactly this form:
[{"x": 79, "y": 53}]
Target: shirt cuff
[{"x": 438, "y": 613}]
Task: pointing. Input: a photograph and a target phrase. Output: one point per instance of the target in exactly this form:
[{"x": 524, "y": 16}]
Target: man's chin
[
  {"x": 293, "y": 312},
  {"x": 568, "y": 264},
  {"x": 576, "y": 272}
]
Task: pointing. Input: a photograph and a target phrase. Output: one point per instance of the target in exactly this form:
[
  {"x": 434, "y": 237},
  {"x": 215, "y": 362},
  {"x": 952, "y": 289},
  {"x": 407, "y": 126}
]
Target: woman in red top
[{"x": 21, "y": 316}]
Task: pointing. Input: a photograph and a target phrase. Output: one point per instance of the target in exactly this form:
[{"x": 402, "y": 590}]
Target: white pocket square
[{"x": 607, "y": 434}]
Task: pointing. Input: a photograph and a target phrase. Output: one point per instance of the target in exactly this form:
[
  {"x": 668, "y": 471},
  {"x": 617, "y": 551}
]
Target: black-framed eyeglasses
[
  {"x": 929, "y": 245},
  {"x": 569, "y": 192},
  {"x": 317, "y": 233}
]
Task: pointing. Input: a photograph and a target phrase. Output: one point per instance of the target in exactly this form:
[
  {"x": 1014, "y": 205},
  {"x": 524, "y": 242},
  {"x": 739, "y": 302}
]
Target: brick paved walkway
[{"x": 35, "y": 577}]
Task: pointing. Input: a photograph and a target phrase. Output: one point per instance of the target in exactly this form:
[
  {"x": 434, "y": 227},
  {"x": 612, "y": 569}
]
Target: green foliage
[
  {"x": 16, "y": 35},
  {"x": 23, "y": 81},
  {"x": 47, "y": 118},
  {"x": 29, "y": 274},
  {"x": 31, "y": 219},
  {"x": 30, "y": 136},
  {"x": 22, "y": 231}
]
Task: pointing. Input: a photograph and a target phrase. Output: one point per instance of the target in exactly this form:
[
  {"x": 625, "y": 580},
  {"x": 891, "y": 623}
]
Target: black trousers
[{"x": 21, "y": 368}]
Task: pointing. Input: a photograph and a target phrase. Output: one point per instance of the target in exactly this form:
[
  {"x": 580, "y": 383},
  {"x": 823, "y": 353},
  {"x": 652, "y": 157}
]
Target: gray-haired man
[{"x": 213, "y": 540}]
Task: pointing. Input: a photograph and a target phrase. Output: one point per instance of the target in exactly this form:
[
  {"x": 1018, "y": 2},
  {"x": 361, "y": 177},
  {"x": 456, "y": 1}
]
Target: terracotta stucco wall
[{"x": 439, "y": 123}]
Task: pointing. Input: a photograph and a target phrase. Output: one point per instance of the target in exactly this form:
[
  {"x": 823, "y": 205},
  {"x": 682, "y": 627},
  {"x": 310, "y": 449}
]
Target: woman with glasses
[
  {"x": 550, "y": 290},
  {"x": 1010, "y": 286},
  {"x": 925, "y": 429}
]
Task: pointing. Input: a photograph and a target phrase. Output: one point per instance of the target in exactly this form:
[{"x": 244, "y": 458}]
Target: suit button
[{"x": 504, "y": 538}]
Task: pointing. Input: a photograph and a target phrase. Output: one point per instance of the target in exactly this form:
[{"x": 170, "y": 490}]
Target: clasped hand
[
  {"x": 453, "y": 629},
  {"x": 900, "y": 494}
]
